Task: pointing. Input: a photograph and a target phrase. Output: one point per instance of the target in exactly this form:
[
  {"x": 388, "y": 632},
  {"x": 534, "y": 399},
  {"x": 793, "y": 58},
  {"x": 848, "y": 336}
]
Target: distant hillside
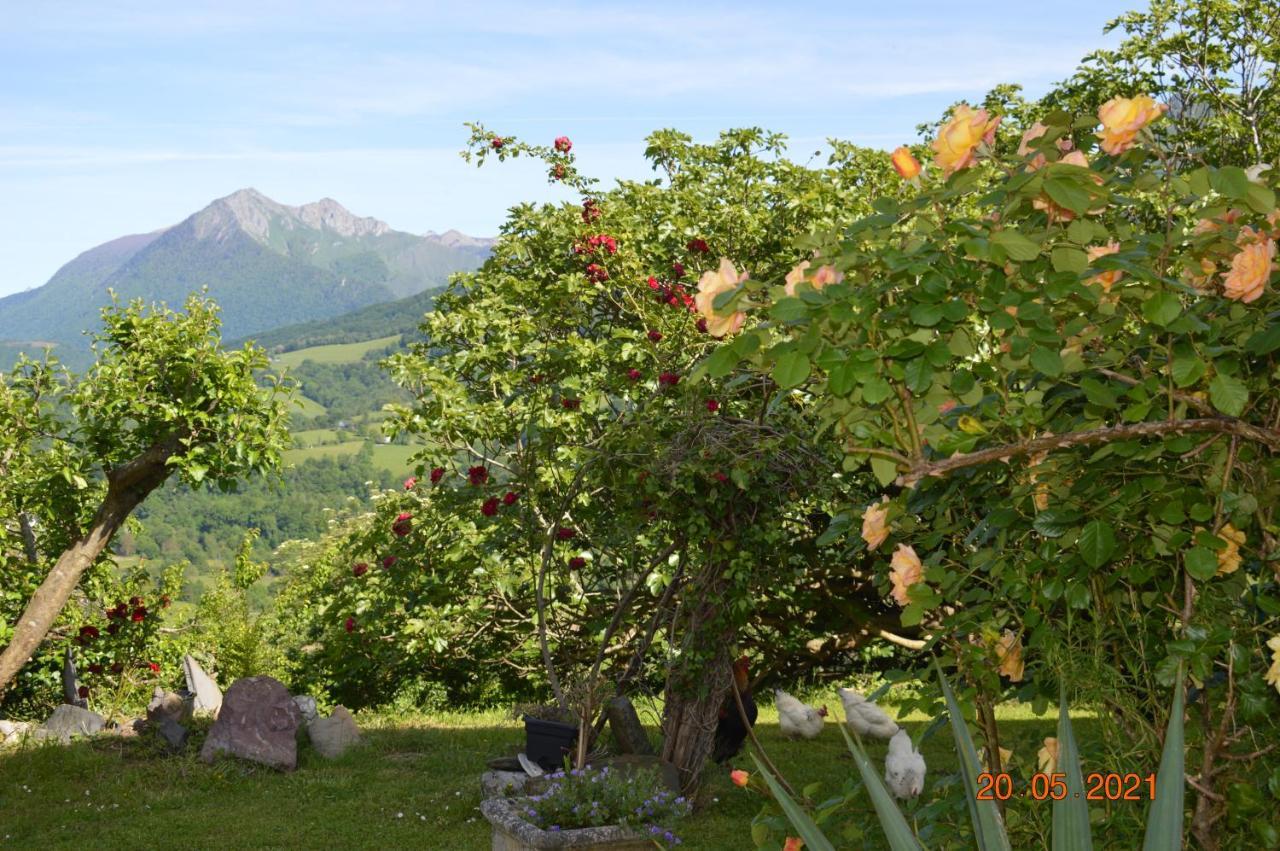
[
  {"x": 267, "y": 264},
  {"x": 370, "y": 323}
]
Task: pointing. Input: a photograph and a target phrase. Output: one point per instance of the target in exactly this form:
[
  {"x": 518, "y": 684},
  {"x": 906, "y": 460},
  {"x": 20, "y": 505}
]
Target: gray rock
[
  {"x": 333, "y": 735},
  {"x": 208, "y": 697},
  {"x": 68, "y": 721},
  {"x": 258, "y": 721},
  {"x": 628, "y": 732},
  {"x": 504, "y": 784},
  {"x": 307, "y": 704},
  {"x": 71, "y": 682},
  {"x": 174, "y": 734},
  {"x": 13, "y": 731},
  {"x": 171, "y": 706}
]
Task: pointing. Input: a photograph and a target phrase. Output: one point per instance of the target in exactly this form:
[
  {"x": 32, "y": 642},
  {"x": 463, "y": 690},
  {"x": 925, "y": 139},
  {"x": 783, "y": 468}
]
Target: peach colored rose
[
  {"x": 1111, "y": 277},
  {"x": 739, "y": 777},
  {"x": 906, "y": 571},
  {"x": 874, "y": 528},
  {"x": 1009, "y": 652},
  {"x": 1214, "y": 225},
  {"x": 1273, "y": 673},
  {"x": 1122, "y": 118},
  {"x": 907, "y": 166},
  {"x": 1035, "y": 131},
  {"x": 821, "y": 276},
  {"x": 793, "y": 843},
  {"x": 1040, "y": 489},
  {"x": 957, "y": 143},
  {"x": 710, "y": 285},
  {"x": 1250, "y": 268},
  {"x": 1047, "y": 756},
  {"x": 1229, "y": 558}
]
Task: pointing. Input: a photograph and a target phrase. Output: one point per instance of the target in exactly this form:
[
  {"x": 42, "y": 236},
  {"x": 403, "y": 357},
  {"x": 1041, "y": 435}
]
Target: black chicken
[{"x": 730, "y": 731}]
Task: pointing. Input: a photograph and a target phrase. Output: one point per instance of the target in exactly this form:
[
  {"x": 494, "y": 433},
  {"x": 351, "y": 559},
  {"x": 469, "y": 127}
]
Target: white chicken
[
  {"x": 798, "y": 720},
  {"x": 903, "y": 767},
  {"x": 864, "y": 717}
]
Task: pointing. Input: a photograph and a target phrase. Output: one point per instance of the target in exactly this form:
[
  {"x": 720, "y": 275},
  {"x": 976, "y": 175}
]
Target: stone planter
[{"x": 511, "y": 832}]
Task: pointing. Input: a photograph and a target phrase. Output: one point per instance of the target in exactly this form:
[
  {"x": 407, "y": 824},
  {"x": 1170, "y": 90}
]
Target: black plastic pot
[{"x": 548, "y": 742}]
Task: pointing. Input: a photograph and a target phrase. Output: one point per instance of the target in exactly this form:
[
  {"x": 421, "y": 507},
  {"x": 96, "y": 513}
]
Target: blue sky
[{"x": 120, "y": 118}]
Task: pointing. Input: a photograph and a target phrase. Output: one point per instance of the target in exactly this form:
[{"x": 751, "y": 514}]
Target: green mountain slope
[{"x": 369, "y": 323}]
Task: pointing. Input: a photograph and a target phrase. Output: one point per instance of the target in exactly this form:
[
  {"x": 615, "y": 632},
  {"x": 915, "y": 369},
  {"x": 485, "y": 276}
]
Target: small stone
[
  {"x": 12, "y": 731},
  {"x": 307, "y": 704},
  {"x": 68, "y": 721},
  {"x": 502, "y": 784},
  {"x": 174, "y": 734},
  {"x": 170, "y": 705},
  {"x": 333, "y": 735},
  {"x": 208, "y": 697},
  {"x": 628, "y": 732},
  {"x": 258, "y": 721}
]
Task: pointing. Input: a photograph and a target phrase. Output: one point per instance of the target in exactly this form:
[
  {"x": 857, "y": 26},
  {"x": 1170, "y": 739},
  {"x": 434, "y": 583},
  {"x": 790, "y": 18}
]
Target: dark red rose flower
[
  {"x": 437, "y": 473},
  {"x": 655, "y": 336},
  {"x": 113, "y": 628},
  {"x": 571, "y": 404},
  {"x": 117, "y": 668},
  {"x": 360, "y": 569},
  {"x": 668, "y": 379},
  {"x": 713, "y": 405},
  {"x": 403, "y": 524},
  {"x": 719, "y": 477},
  {"x": 139, "y": 614},
  {"x": 558, "y": 171},
  {"x": 350, "y": 624},
  {"x": 633, "y": 374},
  {"x": 564, "y": 533},
  {"x": 154, "y": 666},
  {"x": 389, "y": 560},
  {"x": 510, "y": 497},
  {"x": 95, "y": 668},
  {"x": 497, "y": 143},
  {"x": 83, "y": 691},
  {"x": 118, "y": 612},
  {"x": 702, "y": 325},
  {"x": 563, "y": 145},
  {"x": 596, "y": 273},
  {"x": 677, "y": 269},
  {"x": 135, "y": 601},
  {"x": 653, "y": 282},
  {"x": 490, "y": 507},
  {"x": 89, "y": 632},
  {"x": 590, "y": 210},
  {"x": 577, "y": 563},
  {"x": 410, "y": 482},
  {"x": 698, "y": 245},
  {"x": 478, "y": 475}
]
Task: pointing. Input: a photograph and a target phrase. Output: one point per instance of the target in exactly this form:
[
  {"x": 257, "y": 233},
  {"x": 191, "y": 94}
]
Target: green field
[
  {"x": 304, "y": 407},
  {"x": 311, "y": 437},
  {"x": 392, "y": 457},
  {"x": 338, "y": 353}
]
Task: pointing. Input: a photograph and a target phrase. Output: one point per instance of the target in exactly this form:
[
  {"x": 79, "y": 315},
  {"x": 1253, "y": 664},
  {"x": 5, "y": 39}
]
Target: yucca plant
[{"x": 1071, "y": 829}]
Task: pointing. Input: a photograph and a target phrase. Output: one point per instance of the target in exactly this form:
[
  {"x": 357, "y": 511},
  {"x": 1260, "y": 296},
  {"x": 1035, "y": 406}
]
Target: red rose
[
  {"x": 135, "y": 601},
  {"x": 478, "y": 475},
  {"x": 389, "y": 560},
  {"x": 490, "y": 507},
  {"x": 95, "y": 669},
  {"x": 113, "y": 628},
  {"x": 83, "y": 691},
  {"x": 633, "y": 374},
  {"x": 720, "y": 477},
  {"x": 119, "y": 611},
  {"x": 668, "y": 379},
  {"x": 677, "y": 269},
  {"x": 590, "y": 212},
  {"x": 403, "y": 524},
  {"x": 154, "y": 666},
  {"x": 653, "y": 282},
  {"x": 713, "y": 405},
  {"x": 409, "y": 483},
  {"x": 139, "y": 614},
  {"x": 360, "y": 569},
  {"x": 437, "y": 473},
  {"x": 350, "y": 624},
  {"x": 655, "y": 336},
  {"x": 701, "y": 325},
  {"x": 577, "y": 563},
  {"x": 571, "y": 404},
  {"x": 698, "y": 245},
  {"x": 497, "y": 143},
  {"x": 596, "y": 273},
  {"x": 563, "y": 145},
  {"x": 557, "y": 171},
  {"x": 89, "y": 632},
  {"x": 564, "y": 533},
  {"x": 117, "y": 668},
  {"x": 510, "y": 498}
]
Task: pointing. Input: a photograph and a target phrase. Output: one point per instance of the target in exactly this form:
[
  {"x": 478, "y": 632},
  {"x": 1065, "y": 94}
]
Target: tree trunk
[{"x": 127, "y": 486}]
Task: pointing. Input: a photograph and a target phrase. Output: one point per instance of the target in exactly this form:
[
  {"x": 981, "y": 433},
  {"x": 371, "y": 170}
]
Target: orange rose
[
  {"x": 1111, "y": 277},
  {"x": 1229, "y": 558},
  {"x": 1009, "y": 652},
  {"x": 1250, "y": 268},
  {"x": 957, "y": 143},
  {"x": 907, "y": 166},
  {"x": 1122, "y": 118},
  {"x": 822, "y": 276},
  {"x": 874, "y": 528},
  {"x": 1214, "y": 225},
  {"x": 739, "y": 777},
  {"x": 710, "y": 285},
  {"x": 793, "y": 843},
  {"x": 906, "y": 571}
]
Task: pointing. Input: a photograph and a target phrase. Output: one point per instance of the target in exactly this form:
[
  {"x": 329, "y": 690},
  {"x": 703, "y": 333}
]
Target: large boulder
[
  {"x": 259, "y": 722},
  {"x": 207, "y": 695},
  {"x": 68, "y": 721},
  {"x": 333, "y": 735}
]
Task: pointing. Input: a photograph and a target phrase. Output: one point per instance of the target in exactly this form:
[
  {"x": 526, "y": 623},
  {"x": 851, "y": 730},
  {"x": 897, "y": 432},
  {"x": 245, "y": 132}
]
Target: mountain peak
[
  {"x": 255, "y": 214},
  {"x": 457, "y": 239}
]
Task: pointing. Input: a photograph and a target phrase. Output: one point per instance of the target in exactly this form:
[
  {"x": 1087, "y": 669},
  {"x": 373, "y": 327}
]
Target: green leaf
[
  {"x": 721, "y": 362},
  {"x": 791, "y": 369},
  {"x": 1097, "y": 543},
  {"x": 1228, "y": 394},
  {"x": 1069, "y": 259},
  {"x": 988, "y": 825},
  {"x": 1260, "y": 198},
  {"x": 875, "y": 391},
  {"x": 1017, "y": 246},
  {"x": 1047, "y": 361},
  {"x": 926, "y": 315},
  {"x": 1162, "y": 308},
  {"x": 1264, "y": 342},
  {"x": 842, "y": 378},
  {"x": 1068, "y": 193},
  {"x": 1230, "y": 181},
  {"x": 961, "y": 344},
  {"x": 885, "y": 470},
  {"x": 892, "y": 822},
  {"x": 1054, "y": 522},
  {"x": 1164, "y": 819},
  {"x": 789, "y": 309},
  {"x": 1071, "y": 814},
  {"x": 1187, "y": 367},
  {"x": 809, "y": 832},
  {"x": 919, "y": 375},
  {"x": 1201, "y": 563}
]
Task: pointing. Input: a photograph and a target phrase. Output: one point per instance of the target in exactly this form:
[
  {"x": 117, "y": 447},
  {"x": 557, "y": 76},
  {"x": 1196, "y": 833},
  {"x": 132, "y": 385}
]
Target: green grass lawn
[
  {"x": 303, "y": 406},
  {"x": 337, "y": 353},
  {"x": 414, "y": 784},
  {"x": 310, "y": 437},
  {"x": 392, "y": 457}
]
